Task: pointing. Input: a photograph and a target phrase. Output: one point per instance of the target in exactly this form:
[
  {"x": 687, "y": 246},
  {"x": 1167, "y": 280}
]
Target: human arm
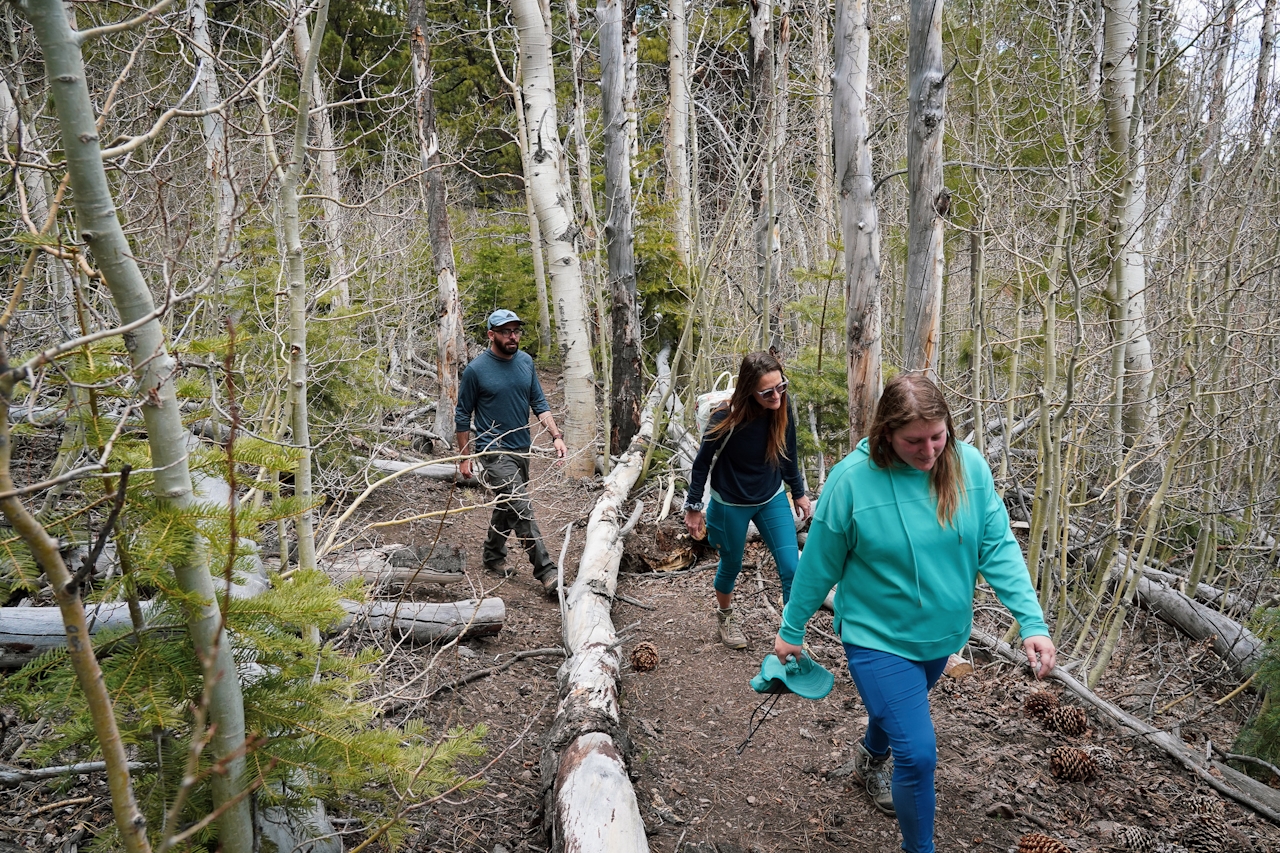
[
  {"x": 791, "y": 470},
  {"x": 695, "y": 518},
  {"x": 464, "y": 449},
  {"x": 557, "y": 439},
  {"x": 1001, "y": 563},
  {"x": 462, "y": 421},
  {"x": 832, "y": 537}
]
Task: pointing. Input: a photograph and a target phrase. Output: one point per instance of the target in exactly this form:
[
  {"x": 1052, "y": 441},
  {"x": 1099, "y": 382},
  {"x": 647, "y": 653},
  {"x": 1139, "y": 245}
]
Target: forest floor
[{"x": 699, "y": 792}]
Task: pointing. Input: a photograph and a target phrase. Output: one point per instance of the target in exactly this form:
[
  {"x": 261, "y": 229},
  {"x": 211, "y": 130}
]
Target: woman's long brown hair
[
  {"x": 745, "y": 406},
  {"x": 912, "y": 397}
]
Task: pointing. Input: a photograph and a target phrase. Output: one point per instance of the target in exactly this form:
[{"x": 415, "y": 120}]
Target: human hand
[
  {"x": 806, "y": 508},
  {"x": 696, "y": 523},
  {"x": 1041, "y": 655},
  {"x": 784, "y": 650},
  {"x": 464, "y": 468},
  {"x": 559, "y": 445}
]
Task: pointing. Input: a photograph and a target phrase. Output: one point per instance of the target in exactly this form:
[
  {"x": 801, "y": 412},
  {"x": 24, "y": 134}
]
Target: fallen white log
[
  {"x": 396, "y": 564},
  {"x": 427, "y": 622},
  {"x": 589, "y": 802},
  {"x": 28, "y": 632},
  {"x": 1234, "y": 643},
  {"x": 1229, "y": 781}
]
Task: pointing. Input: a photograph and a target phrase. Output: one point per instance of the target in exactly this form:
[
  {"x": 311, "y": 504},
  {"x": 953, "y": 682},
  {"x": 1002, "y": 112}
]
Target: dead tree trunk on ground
[{"x": 589, "y": 802}]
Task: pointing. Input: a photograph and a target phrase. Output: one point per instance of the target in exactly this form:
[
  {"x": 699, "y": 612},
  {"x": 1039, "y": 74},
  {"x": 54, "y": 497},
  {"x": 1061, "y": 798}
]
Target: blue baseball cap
[{"x": 502, "y": 317}]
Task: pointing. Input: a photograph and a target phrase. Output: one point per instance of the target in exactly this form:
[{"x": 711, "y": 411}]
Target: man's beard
[{"x": 509, "y": 346}]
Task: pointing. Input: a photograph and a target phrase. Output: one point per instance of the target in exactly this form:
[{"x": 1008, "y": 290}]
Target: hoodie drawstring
[{"x": 911, "y": 545}]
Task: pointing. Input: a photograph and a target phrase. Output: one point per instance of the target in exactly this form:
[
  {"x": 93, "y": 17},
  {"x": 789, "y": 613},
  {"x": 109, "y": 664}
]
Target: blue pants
[
  {"x": 895, "y": 692},
  {"x": 727, "y": 531}
]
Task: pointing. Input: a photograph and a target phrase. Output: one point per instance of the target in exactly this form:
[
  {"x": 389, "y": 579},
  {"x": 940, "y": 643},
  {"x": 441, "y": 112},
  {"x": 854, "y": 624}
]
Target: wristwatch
[{"x": 693, "y": 506}]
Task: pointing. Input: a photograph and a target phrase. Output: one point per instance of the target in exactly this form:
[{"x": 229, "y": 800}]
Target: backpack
[{"x": 706, "y": 404}]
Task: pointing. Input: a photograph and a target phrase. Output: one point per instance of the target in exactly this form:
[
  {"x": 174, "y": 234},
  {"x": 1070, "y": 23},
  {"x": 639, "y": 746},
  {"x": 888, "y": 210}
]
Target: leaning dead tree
[{"x": 589, "y": 802}]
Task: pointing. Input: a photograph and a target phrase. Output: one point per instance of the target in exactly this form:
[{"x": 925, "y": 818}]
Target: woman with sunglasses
[{"x": 748, "y": 451}]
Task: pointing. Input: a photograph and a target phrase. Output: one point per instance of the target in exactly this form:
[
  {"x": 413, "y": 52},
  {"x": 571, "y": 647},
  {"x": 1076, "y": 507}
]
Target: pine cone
[
  {"x": 1203, "y": 804},
  {"x": 644, "y": 657},
  {"x": 1034, "y": 842},
  {"x": 1073, "y": 765},
  {"x": 1102, "y": 757},
  {"x": 1068, "y": 719},
  {"x": 1137, "y": 839},
  {"x": 1206, "y": 833},
  {"x": 1039, "y": 703}
]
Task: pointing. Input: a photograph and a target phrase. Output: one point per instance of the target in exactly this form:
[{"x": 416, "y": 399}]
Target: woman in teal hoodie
[{"x": 904, "y": 525}]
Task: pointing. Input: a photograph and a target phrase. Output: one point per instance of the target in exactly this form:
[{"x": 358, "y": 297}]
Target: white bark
[
  {"x": 100, "y": 228},
  {"x": 824, "y": 186},
  {"x": 928, "y": 203},
  {"x": 765, "y": 127},
  {"x": 326, "y": 154},
  {"x": 290, "y": 177},
  {"x": 544, "y": 181},
  {"x": 859, "y": 217},
  {"x": 213, "y": 126},
  {"x": 28, "y": 632},
  {"x": 1134, "y": 413},
  {"x": 589, "y": 800}
]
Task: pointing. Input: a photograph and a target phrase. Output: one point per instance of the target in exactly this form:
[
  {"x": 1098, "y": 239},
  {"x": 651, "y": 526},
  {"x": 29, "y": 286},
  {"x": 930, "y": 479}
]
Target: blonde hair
[{"x": 911, "y": 397}]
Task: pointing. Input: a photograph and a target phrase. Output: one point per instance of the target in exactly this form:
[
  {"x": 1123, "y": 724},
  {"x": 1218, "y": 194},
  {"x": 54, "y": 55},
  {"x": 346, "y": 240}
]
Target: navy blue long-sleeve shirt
[
  {"x": 743, "y": 474},
  {"x": 499, "y": 393}
]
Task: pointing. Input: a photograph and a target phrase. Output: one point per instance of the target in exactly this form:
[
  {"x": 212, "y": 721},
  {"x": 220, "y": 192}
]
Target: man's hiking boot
[
  {"x": 730, "y": 634},
  {"x": 550, "y": 583},
  {"x": 877, "y": 775},
  {"x": 500, "y": 568}
]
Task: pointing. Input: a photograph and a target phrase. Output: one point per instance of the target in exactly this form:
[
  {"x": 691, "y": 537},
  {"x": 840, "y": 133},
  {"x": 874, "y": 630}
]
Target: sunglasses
[{"x": 780, "y": 388}]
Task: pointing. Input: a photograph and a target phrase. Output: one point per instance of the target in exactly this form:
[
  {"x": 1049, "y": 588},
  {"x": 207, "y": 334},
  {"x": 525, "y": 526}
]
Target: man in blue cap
[{"x": 498, "y": 389}]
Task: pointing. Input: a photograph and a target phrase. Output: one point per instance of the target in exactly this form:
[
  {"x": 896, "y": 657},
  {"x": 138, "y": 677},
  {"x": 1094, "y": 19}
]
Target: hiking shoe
[
  {"x": 877, "y": 775},
  {"x": 730, "y": 634},
  {"x": 550, "y": 584},
  {"x": 500, "y": 568}
]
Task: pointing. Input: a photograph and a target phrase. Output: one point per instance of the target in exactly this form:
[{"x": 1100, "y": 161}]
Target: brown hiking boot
[{"x": 730, "y": 633}]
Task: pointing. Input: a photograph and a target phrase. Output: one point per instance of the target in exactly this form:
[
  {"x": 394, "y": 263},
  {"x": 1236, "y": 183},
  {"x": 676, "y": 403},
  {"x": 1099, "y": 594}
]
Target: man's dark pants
[{"x": 507, "y": 476}]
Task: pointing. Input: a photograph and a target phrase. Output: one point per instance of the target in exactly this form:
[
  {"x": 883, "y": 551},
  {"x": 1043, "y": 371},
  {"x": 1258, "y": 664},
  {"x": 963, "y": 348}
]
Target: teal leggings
[{"x": 727, "y": 531}]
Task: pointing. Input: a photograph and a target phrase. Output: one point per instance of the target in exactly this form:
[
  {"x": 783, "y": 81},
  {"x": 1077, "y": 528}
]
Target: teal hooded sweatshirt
[{"x": 906, "y": 582}]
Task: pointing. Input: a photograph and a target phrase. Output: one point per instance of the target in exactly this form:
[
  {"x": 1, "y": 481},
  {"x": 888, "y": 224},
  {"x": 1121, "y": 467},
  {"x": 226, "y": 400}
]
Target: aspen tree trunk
[
  {"x": 618, "y": 232},
  {"x": 929, "y": 201},
  {"x": 535, "y": 232},
  {"x": 677, "y": 152},
  {"x": 1262, "y": 78},
  {"x": 824, "y": 171},
  {"x": 550, "y": 192},
  {"x": 213, "y": 126},
  {"x": 326, "y": 153},
  {"x": 631, "y": 77},
  {"x": 581, "y": 147},
  {"x": 764, "y": 193},
  {"x": 859, "y": 218},
  {"x": 1134, "y": 409},
  {"x": 290, "y": 177},
  {"x": 100, "y": 228},
  {"x": 450, "y": 342}
]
